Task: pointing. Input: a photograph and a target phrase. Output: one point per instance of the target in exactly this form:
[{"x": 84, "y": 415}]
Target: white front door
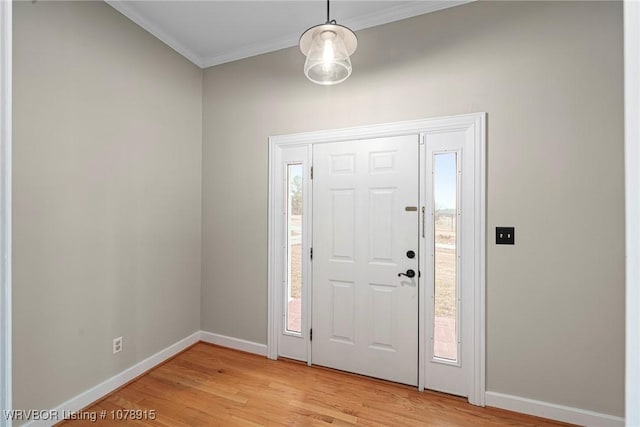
[{"x": 365, "y": 223}]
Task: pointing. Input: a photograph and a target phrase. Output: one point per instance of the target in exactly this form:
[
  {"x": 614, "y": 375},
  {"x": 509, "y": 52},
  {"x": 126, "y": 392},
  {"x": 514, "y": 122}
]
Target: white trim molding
[
  {"x": 480, "y": 233},
  {"x": 234, "y": 343},
  {"x": 498, "y": 400},
  {"x": 5, "y": 209},
  {"x": 411, "y": 127},
  {"x": 87, "y": 397},
  {"x": 632, "y": 198},
  {"x": 391, "y": 14},
  {"x": 272, "y": 256},
  {"x": 99, "y": 391},
  {"x": 124, "y": 8},
  {"x": 552, "y": 411}
]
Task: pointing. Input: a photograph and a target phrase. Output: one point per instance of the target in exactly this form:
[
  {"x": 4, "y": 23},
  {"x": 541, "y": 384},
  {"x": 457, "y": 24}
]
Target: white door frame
[
  {"x": 632, "y": 197},
  {"x": 6, "y": 18},
  {"x": 475, "y": 120}
]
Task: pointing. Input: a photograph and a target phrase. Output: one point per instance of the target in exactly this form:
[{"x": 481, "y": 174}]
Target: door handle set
[{"x": 409, "y": 273}]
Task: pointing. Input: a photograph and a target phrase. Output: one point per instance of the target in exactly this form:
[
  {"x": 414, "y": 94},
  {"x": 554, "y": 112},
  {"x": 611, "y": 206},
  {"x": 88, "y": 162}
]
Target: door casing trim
[
  {"x": 414, "y": 127},
  {"x": 632, "y": 207},
  {"x": 6, "y": 17}
]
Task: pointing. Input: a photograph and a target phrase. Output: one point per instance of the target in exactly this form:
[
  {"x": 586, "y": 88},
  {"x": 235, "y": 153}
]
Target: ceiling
[{"x": 214, "y": 32}]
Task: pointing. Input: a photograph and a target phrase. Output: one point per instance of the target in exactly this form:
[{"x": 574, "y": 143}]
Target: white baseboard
[
  {"x": 498, "y": 400},
  {"x": 99, "y": 391},
  {"x": 89, "y": 396},
  {"x": 235, "y": 343},
  {"x": 552, "y": 411}
]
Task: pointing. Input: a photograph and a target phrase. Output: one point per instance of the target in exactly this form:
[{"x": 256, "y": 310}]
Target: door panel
[
  {"x": 365, "y": 317},
  {"x": 342, "y": 310},
  {"x": 448, "y": 261}
]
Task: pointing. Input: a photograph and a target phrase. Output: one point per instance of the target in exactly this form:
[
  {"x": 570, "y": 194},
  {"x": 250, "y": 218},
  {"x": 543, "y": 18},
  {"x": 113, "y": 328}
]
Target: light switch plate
[{"x": 505, "y": 236}]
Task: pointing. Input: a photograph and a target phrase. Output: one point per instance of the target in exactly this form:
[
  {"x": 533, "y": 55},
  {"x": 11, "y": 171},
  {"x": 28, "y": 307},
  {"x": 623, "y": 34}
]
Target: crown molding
[
  {"x": 254, "y": 49},
  {"x": 123, "y": 7},
  {"x": 395, "y": 13},
  {"x": 399, "y": 12},
  {"x": 391, "y": 14}
]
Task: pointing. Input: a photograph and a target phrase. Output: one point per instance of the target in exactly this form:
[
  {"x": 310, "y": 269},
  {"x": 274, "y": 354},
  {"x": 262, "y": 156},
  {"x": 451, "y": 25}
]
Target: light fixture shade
[{"x": 328, "y": 48}]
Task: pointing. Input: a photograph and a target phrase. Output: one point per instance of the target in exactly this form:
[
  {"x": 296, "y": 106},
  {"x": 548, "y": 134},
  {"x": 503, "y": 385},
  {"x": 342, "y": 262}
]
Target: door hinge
[
  {"x": 311, "y": 254},
  {"x": 311, "y": 172},
  {"x": 310, "y": 334}
]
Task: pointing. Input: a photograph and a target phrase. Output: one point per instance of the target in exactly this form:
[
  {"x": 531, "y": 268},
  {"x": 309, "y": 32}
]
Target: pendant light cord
[{"x": 329, "y": 20}]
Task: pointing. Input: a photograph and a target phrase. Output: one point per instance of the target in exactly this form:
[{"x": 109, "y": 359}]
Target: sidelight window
[
  {"x": 446, "y": 289},
  {"x": 293, "y": 294}
]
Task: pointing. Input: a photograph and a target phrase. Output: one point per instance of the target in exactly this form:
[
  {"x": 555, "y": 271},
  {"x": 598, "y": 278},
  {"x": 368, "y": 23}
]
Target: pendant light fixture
[{"x": 328, "y": 47}]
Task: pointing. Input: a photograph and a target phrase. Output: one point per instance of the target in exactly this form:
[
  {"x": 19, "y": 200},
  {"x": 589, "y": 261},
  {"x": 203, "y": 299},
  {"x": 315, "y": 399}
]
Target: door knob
[{"x": 409, "y": 274}]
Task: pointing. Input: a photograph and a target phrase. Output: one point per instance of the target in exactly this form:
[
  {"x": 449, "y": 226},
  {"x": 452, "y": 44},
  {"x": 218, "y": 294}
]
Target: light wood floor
[{"x": 213, "y": 386}]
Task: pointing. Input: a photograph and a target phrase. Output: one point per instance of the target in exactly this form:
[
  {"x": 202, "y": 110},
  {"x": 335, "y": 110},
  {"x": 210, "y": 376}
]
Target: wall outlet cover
[{"x": 117, "y": 345}]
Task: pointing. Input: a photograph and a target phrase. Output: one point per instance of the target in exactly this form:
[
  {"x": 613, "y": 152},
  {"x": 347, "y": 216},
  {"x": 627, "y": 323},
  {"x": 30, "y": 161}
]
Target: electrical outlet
[{"x": 117, "y": 345}]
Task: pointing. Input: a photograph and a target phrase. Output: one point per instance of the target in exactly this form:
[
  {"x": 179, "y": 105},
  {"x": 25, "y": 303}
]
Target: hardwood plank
[{"x": 209, "y": 385}]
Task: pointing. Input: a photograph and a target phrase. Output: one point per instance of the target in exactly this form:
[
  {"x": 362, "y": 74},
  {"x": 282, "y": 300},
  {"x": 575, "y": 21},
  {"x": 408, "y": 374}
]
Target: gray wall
[
  {"x": 107, "y": 213},
  {"x": 108, "y": 137},
  {"x": 549, "y": 74}
]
